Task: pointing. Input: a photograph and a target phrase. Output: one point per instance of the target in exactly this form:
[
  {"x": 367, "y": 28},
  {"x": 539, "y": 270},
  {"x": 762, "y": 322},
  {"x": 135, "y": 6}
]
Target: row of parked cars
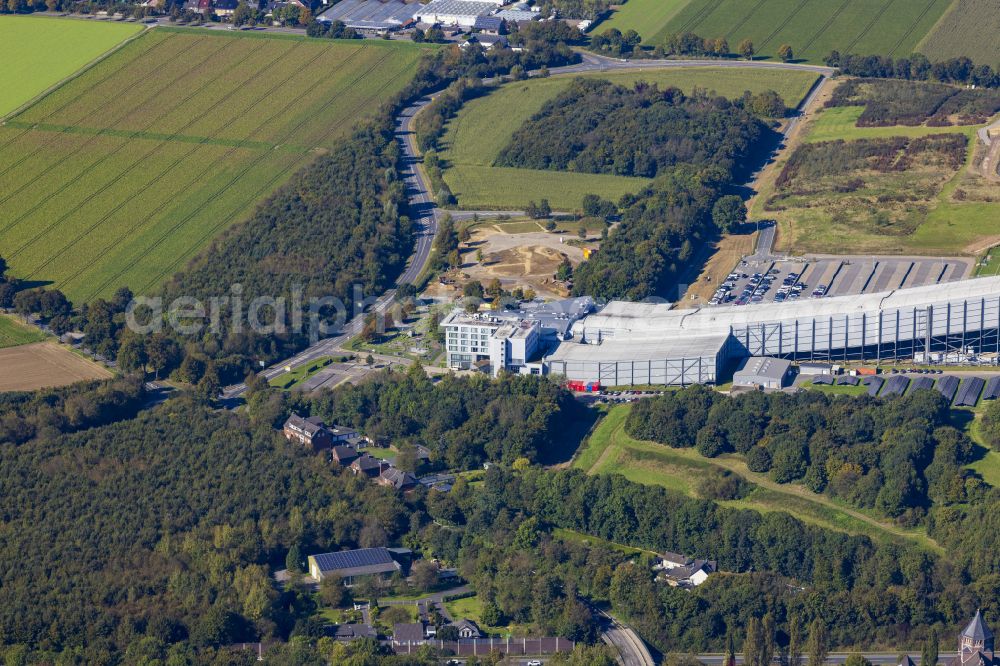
[{"x": 759, "y": 284}]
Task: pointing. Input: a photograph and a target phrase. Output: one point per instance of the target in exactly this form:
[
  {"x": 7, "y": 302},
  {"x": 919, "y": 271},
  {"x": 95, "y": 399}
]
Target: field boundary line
[
  {"x": 163, "y": 143},
  {"x": 875, "y": 19},
  {"x": 254, "y": 196},
  {"x": 913, "y": 26},
  {"x": 214, "y": 162},
  {"x": 33, "y": 209},
  {"x": 952, "y": 7},
  {"x": 699, "y": 16},
  {"x": 45, "y": 144},
  {"x": 743, "y": 21},
  {"x": 788, "y": 19},
  {"x": 826, "y": 26},
  {"x": 60, "y": 108},
  {"x": 187, "y": 256},
  {"x": 83, "y": 69}
]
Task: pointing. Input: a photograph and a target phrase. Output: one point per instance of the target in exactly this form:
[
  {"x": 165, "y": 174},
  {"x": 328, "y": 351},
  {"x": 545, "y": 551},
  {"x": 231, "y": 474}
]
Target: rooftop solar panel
[
  {"x": 823, "y": 380},
  {"x": 968, "y": 392},
  {"x": 896, "y": 385},
  {"x": 847, "y": 380},
  {"x": 992, "y": 391},
  {"x": 349, "y": 559},
  {"x": 873, "y": 384},
  {"x": 921, "y": 383},
  {"x": 947, "y": 386}
]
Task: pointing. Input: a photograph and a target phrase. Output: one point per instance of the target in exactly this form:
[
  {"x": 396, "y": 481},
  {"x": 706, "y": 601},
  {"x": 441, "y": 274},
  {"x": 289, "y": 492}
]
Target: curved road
[{"x": 425, "y": 213}]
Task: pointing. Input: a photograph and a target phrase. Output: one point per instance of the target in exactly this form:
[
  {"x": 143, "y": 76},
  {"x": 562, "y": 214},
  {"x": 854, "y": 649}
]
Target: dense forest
[
  {"x": 890, "y": 102},
  {"x": 900, "y": 457},
  {"x": 155, "y": 537},
  {"x": 661, "y": 228},
  {"x": 595, "y": 126}
]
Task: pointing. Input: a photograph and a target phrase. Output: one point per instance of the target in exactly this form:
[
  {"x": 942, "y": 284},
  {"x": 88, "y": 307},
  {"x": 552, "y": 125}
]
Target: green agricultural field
[
  {"x": 40, "y": 52},
  {"x": 13, "y": 333},
  {"x": 610, "y": 450},
  {"x": 640, "y": 15},
  {"x": 485, "y": 125},
  {"x": 121, "y": 175},
  {"x": 969, "y": 28},
  {"x": 812, "y": 28}
]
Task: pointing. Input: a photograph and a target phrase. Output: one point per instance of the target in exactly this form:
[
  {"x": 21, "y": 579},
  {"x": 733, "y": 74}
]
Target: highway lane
[{"x": 426, "y": 215}]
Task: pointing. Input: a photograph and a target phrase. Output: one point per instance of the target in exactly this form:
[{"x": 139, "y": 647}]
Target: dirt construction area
[
  {"x": 524, "y": 259},
  {"x": 44, "y": 365}
]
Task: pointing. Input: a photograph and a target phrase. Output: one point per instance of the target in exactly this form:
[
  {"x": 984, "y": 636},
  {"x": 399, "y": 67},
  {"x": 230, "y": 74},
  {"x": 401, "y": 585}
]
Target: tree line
[
  {"x": 901, "y": 456},
  {"x": 916, "y": 67}
]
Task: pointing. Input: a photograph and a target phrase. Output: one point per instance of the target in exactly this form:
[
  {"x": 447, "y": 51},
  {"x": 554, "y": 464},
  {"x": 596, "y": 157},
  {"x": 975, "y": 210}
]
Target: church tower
[{"x": 975, "y": 644}]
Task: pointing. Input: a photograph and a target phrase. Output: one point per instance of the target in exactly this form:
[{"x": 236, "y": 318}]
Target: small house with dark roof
[
  {"x": 467, "y": 629},
  {"x": 673, "y": 560},
  {"x": 309, "y": 432},
  {"x": 906, "y": 661},
  {"x": 397, "y": 478},
  {"x": 492, "y": 25},
  {"x": 344, "y": 455},
  {"x": 352, "y": 632},
  {"x": 975, "y": 645},
  {"x": 369, "y": 466},
  {"x": 409, "y": 634},
  {"x": 352, "y": 565}
]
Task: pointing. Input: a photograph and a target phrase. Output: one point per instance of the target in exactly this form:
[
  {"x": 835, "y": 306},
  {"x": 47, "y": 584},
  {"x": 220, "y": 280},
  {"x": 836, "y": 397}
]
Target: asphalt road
[{"x": 425, "y": 213}]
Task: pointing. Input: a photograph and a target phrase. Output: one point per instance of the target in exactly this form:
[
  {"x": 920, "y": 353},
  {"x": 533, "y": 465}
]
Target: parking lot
[{"x": 790, "y": 280}]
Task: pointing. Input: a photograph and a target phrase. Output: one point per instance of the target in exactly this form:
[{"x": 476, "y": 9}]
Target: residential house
[
  {"x": 491, "y": 25},
  {"x": 397, "y": 478},
  {"x": 311, "y": 432},
  {"x": 352, "y": 565},
  {"x": 350, "y": 632},
  {"x": 226, "y": 7},
  {"x": 369, "y": 466},
  {"x": 344, "y": 455},
  {"x": 467, "y": 629},
  {"x": 691, "y": 575},
  {"x": 673, "y": 560},
  {"x": 409, "y": 634}
]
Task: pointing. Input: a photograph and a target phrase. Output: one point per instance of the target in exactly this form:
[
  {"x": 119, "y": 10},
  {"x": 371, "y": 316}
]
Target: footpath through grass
[
  {"x": 13, "y": 333},
  {"x": 611, "y": 450},
  {"x": 39, "y": 52},
  {"x": 485, "y": 126}
]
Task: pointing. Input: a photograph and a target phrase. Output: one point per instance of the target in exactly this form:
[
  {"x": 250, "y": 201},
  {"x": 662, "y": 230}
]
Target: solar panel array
[
  {"x": 992, "y": 391},
  {"x": 947, "y": 386},
  {"x": 896, "y": 385},
  {"x": 921, "y": 383},
  {"x": 822, "y": 380},
  {"x": 847, "y": 380},
  {"x": 873, "y": 384},
  {"x": 968, "y": 393}
]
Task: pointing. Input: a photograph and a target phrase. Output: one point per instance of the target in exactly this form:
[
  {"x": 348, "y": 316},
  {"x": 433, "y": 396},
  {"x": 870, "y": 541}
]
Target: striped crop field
[
  {"x": 118, "y": 177},
  {"x": 812, "y": 28},
  {"x": 969, "y": 28}
]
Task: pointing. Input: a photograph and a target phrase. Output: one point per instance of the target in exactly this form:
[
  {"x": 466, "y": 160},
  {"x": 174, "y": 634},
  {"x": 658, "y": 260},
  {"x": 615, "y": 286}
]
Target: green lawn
[
  {"x": 990, "y": 264},
  {"x": 40, "y": 52},
  {"x": 290, "y": 380},
  {"x": 485, "y": 125},
  {"x": 836, "y": 389},
  {"x": 841, "y": 123},
  {"x": 812, "y": 28},
  {"x": 180, "y": 134},
  {"x": 611, "y": 450},
  {"x": 14, "y": 333},
  {"x": 471, "y": 608}
]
